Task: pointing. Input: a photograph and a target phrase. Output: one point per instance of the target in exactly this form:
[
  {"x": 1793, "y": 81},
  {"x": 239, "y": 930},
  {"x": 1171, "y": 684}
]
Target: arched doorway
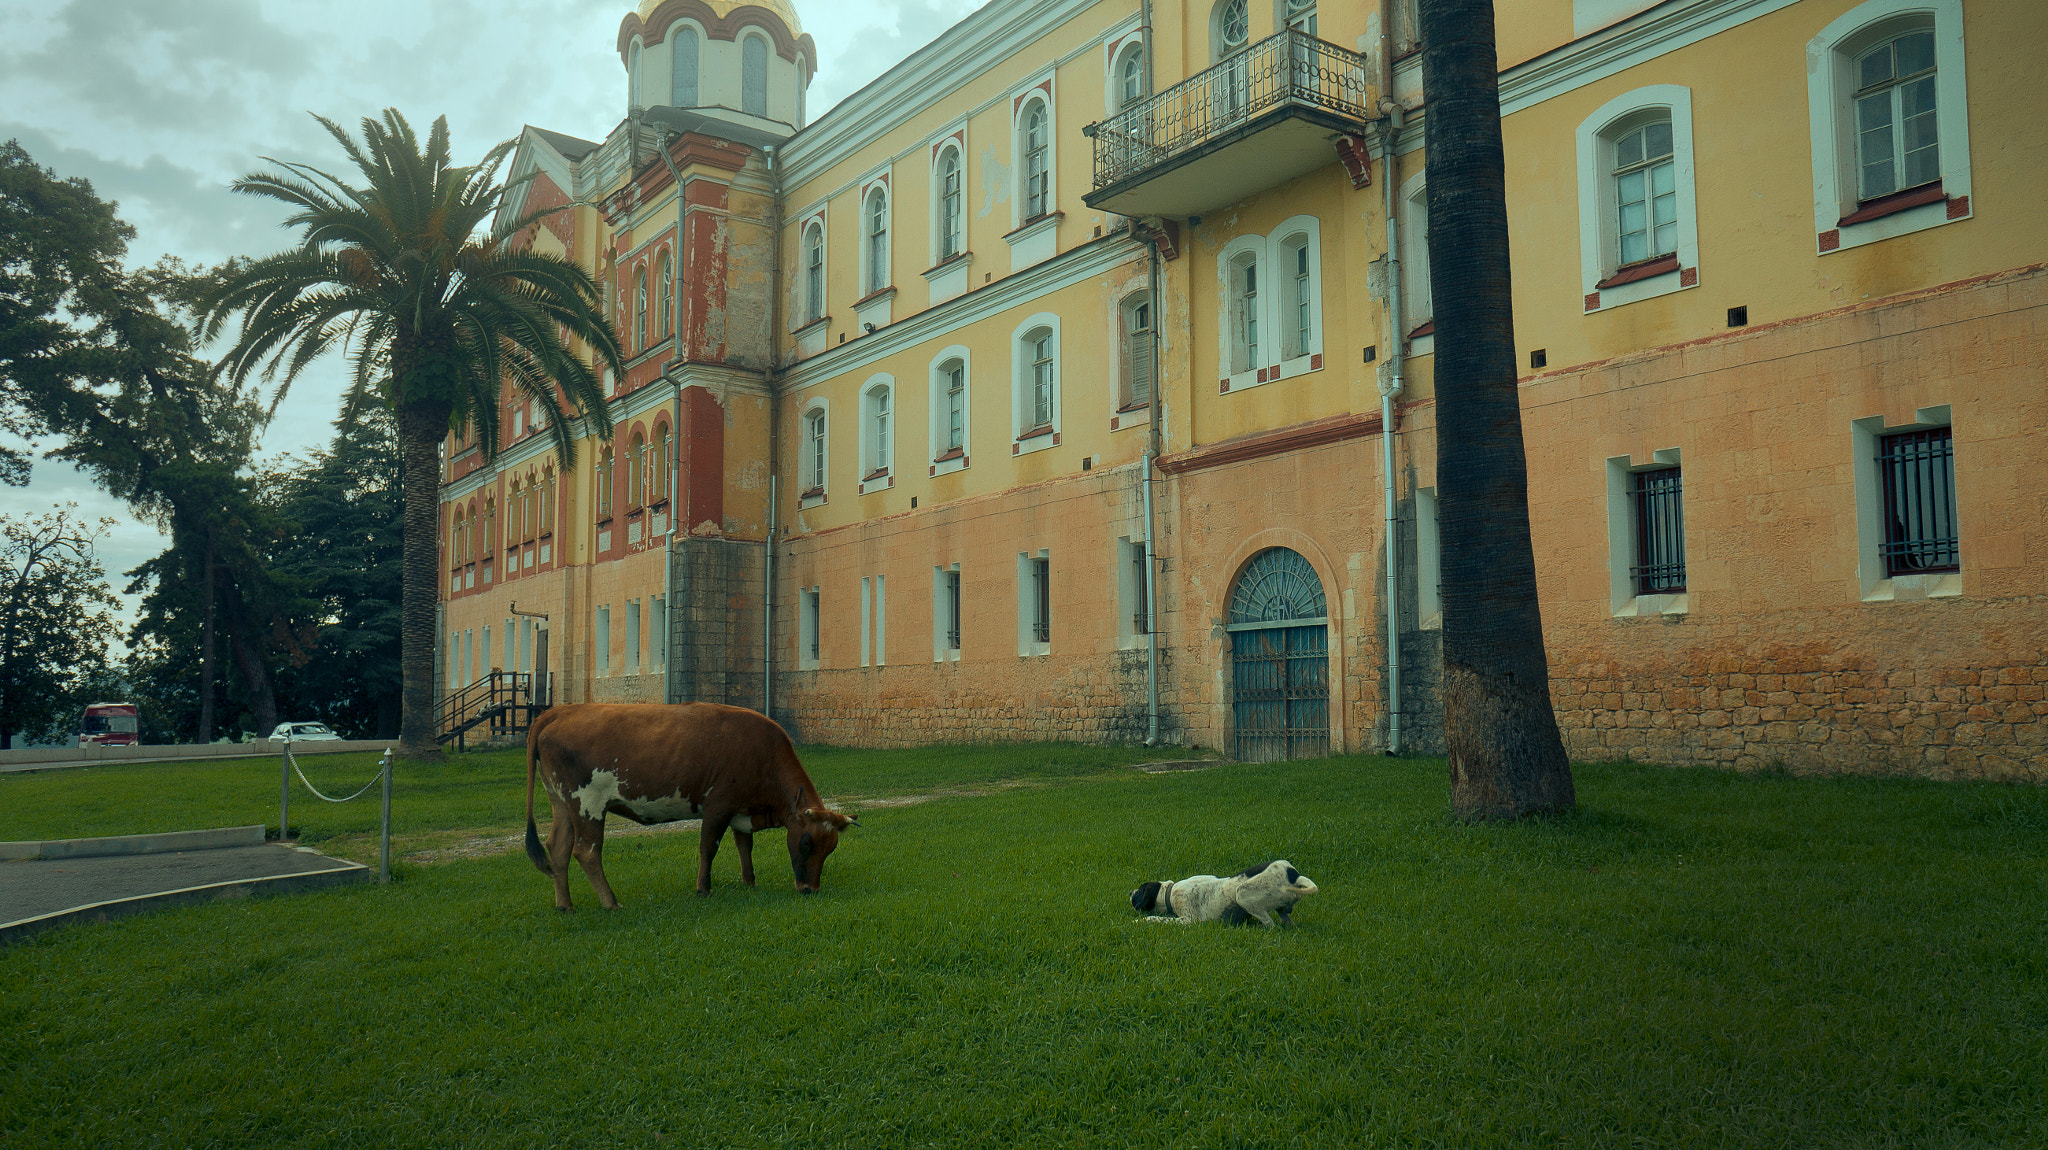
[{"x": 1279, "y": 630}]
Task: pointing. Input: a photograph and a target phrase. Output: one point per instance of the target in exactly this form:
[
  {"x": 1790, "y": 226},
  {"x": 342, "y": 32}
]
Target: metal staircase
[{"x": 501, "y": 703}]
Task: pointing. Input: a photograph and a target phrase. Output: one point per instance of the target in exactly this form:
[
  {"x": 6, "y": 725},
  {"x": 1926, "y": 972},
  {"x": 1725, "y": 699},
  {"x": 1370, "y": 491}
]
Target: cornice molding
[{"x": 1279, "y": 441}]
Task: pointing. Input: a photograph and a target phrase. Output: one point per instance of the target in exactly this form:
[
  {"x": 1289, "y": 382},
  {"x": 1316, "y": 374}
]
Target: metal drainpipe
[
  {"x": 1151, "y": 456},
  {"x": 675, "y": 463},
  {"x": 1389, "y": 389},
  {"x": 774, "y": 432}
]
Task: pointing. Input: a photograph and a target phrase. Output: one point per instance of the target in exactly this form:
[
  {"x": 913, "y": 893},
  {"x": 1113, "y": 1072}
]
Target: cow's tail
[{"x": 534, "y": 850}]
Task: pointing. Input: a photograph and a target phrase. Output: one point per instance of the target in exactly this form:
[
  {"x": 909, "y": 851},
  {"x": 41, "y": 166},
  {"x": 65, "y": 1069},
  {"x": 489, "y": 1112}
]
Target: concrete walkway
[{"x": 94, "y": 880}]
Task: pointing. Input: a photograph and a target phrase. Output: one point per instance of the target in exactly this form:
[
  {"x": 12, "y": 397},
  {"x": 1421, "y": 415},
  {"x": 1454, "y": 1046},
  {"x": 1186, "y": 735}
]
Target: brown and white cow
[{"x": 655, "y": 763}]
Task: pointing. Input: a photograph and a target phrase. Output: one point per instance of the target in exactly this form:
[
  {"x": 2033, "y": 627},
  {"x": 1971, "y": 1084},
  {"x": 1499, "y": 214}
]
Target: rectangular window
[
  {"x": 881, "y": 614},
  {"x": 1141, "y": 581},
  {"x": 1132, "y": 588},
  {"x": 1138, "y": 351},
  {"x": 1897, "y": 144},
  {"x": 807, "y": 628},
  {"x": 657, "y": 631},
  {"x": 1248, "y": 316},
  {"x": 486, "y": 661},
  {"x": 945, "y": 613},
  {"x": 1920, "y": 536},
  {"x": 1646, "y": 193},
  {"x": 604, "y": 640},
  {"x": 632, "y": 636},
  {"x": 1303, "y": 335},
  {"x": 1660, "y": 532},
  {"x": 1040, "y": 605},
  {"x": 867, "y": 622}
]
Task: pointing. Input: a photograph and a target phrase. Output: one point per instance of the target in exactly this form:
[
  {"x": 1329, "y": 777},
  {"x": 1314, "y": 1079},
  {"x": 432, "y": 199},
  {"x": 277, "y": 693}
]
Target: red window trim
[
  {"x": 1034, "y": 433},
  {"x": 1884, "y": 206},
  {"x": 1428, "y": 328},
  {"x": 950, "y": 453},
  {"x": 1640, "y": 270}
]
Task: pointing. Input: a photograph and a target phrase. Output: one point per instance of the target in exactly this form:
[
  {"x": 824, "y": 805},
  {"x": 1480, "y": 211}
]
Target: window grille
[
  {"x": 1920, "y": 533},
  {"x": 1897, "y": 137},
  {"x": 1646, "y": 193},
  {"x": 953, "y": 610},
  {"x": 1141, "y": 579},
  {"x": 811, "y": 617},
  {"x": 1041, "y": 600},
  {"x": 949, "y": 206},
  {"x": 1660, "y": 532}
]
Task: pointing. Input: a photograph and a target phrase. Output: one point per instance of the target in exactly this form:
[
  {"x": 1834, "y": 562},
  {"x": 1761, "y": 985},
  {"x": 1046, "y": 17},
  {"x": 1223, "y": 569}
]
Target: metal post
[
  {"x": 384, "y": 852},
  {"x": 284, "y": 792}
]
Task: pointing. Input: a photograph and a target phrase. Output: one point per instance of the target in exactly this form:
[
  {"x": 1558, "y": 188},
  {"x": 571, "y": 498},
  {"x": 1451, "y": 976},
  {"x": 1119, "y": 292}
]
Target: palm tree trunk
[
  {"x": 206, "y": 644},
  {"x": 421, "y": 427},
  {"x": 1506, "y": 756}
]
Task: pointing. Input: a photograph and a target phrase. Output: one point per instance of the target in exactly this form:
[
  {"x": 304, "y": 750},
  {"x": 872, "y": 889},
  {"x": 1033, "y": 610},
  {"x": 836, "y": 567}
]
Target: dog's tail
[{"x": 534, "y": 850}]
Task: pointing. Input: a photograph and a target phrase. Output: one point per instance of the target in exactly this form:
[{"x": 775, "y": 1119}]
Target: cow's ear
[{"x": 841, "y": 821}]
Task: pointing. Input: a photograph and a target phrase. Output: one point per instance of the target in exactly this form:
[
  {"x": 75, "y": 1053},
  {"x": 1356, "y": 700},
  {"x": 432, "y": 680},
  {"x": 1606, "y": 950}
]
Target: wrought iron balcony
[{"x": 1262, "y": 117}]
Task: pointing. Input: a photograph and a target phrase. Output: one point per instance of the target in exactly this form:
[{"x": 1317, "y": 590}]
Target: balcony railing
[{"x": 1292, "y": 68}]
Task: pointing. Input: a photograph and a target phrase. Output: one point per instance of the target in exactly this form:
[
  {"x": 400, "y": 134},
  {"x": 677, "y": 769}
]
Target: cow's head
[{"x": 813, "y": 834}]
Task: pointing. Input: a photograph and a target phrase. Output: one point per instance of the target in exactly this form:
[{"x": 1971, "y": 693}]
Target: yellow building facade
[{"x": 1073, "y": 380}]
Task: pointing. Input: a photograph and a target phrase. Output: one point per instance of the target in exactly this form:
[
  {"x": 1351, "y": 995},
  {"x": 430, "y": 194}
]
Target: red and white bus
[{"x": 108, "y": 725}]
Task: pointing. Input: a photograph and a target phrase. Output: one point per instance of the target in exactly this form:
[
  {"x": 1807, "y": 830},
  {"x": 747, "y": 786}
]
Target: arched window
[
  {"x": 1136, "y": 313},
  {"x": 1037, "y": 163},
  {"x": 876, "y": 417},
  {"x": 515, "y": 528},
  {"x": 664, "y": 466},
  {"x": 814, "y": 451},
  {"x": 489, "y": 542},
  {"x": 455, "y": 539},
  {"x": 1897, "y": 132},
  {"x": 953, "y": 392},
  {"x": 1299, "y": 15},
  {"x": 1244, "y": 313},
  {"x": 633, "y": 75},
  {"x": 1233, "y": 29},
  {"x": 1229, "y": 36},
  {"x": 604, "y": 483},
  {"x": 1130, "y": 76},
  {"x": 1043, "y": 378},
  {"x": 814, "y": 272},
  {"x": 878, "y": 240},
  {"x": 1298, "y": 297},
  {"x": 1645, "y": 191},
  {"x": 950, "y": 218},
  {"x": 754, "y": 76},
  {"x": 636, "y": 459},
  {"x": 665, "y": 300},
  {"x": 683, "y": 67},
  {"x": 547, "y": 501},
  {"x": 640, "y": 308}
]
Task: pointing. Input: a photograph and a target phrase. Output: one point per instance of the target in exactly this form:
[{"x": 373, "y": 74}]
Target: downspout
[
  {"x": 675, "y": 463},
  {"x": 1390, "y": 388},
  {"x": 774, "y": 434},
  {"x": 1152, "y": 457}
]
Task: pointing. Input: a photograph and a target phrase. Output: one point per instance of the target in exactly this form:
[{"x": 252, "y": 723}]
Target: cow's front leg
[
  {"x": 744, "y": 843},
  {"x": 590, "y": 852},
  {"x": 707, "y": 848}
]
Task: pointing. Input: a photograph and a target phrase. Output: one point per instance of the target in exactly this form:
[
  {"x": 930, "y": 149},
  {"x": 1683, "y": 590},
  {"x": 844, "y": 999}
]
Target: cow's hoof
[{"x": 566, "y": 909}]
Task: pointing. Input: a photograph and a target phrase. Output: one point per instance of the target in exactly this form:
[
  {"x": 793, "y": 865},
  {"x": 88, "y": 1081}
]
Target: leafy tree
[
  {"x": 56, "y": 617},
  {"x": 1506, "y": 756},
  {"x": 346, "y": 553},
  {"x": 435, "y": 316}
]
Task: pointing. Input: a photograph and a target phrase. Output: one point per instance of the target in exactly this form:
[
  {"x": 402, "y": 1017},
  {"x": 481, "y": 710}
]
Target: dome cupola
[{"x": 752, "y": 58}]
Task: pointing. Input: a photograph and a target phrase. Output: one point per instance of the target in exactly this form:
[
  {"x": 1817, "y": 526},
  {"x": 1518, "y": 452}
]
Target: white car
[{"x": 304, "y": 733}]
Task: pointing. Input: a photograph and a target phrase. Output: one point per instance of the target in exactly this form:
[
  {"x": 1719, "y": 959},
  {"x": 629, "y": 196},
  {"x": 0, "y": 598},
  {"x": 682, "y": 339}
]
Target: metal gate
[{"x": 1279, "y": 632}]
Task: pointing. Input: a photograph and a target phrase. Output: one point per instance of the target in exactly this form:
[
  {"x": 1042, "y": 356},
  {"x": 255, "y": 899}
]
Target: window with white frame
[
  {"x": 1298, "y": 316},
  {"x": 1127, "y": 78},
  {"x": 1908, "y": 534},
  {"x": 1417, "y": 302},
  {"x": 874, "y": 638},
  {"x": 814, "y": 272},
  {"x": 876, "y": 251},
  {"x": 1133, "y": 587},
  {"x": 1037, "y": 167},
  {"x": 1035, "y": 384},
  {"x": 814, "y": 451},
  {"x": 1887, "y": 106},
  {"x": 1038, "y": 353},
  {"x": 948, "y": 407},
  {"x": 1646, "y": 534},
  {"x": 1034, "y": 602},
  {"x": 1429, "y": 562},
  {"x": 1135, "y": 314},
  {"x": 602, "y": 633},
  {"x": 946, "y": 613},
  {"x": 1243, "y": 305},
  {"x": 657, "y": 630},
  {"x": 808, "y": 644},
  {"x": 683, "y": 66},
  {"x": 877, "y": 415},
  {"x": 632, "y": 636},
  {"x": 951, "y": 218},
  {"x": 1299, "y": 15},
  {"x": 640, "y": 308},
  {"x": 1231, "y": 31},
  {"x": 633, "y": 75},
  {"x": 1638, "y": 222},
  {"x": 754, "y": 76},
  {"x": 664, "y": 295}
]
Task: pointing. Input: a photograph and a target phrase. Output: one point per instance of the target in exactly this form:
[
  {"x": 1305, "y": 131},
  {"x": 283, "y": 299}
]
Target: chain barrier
[{"x": 284, "y": 804}]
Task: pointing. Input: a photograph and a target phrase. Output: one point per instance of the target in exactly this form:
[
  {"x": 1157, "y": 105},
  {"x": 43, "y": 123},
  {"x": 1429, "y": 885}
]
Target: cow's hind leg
[
  {"x": 561, "y": 841},
  {"x": 590, "y": 852},
  {"x": 744, "y": 843}
]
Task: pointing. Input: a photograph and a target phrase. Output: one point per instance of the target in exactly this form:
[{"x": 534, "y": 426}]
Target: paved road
[{"x": 42, "y": 886}]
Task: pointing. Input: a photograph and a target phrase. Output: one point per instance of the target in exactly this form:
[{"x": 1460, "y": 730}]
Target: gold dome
[{"x": 724, "y": 8}]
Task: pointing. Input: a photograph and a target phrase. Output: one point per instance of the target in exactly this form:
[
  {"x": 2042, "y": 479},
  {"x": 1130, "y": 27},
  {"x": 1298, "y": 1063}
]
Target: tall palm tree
[
  {"x": 435, "y": 316},
  {"x": 1506, "y": 756}
]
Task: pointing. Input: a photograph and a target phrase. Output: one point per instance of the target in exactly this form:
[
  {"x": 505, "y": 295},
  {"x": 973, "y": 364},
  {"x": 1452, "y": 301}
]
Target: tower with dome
[{"x": 753, "y": 60}]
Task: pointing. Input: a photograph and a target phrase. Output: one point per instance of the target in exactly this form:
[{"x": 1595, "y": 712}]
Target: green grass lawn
[{"x": 1696, "y": 959}]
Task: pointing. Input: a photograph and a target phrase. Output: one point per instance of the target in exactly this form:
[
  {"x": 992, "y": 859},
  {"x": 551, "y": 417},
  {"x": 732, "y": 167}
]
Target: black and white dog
[{"x": 1259, "y": 892}]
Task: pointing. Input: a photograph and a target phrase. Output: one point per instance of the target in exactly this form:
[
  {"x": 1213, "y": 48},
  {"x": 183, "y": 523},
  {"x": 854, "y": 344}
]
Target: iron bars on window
[
  {"x": 1292, "y": 67},
  {"x": 1660, "y": 532},
  {"x": 1920, "y": 533}
]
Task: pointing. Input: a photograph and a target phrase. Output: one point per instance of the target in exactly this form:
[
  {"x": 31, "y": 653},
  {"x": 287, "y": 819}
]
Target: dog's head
[
  {"x": 1278, "y": 881},
  {"x": 1146, "y": 897}
]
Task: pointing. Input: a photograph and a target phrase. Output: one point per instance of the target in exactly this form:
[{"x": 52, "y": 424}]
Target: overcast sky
[{"x": 160, "y": 103}]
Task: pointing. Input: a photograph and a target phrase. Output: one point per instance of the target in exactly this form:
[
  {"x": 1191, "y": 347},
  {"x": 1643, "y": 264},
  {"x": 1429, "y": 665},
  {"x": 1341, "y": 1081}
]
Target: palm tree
[
  {"x": 1506, "y": 756},
  {"x": 434, "y": 316}
]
